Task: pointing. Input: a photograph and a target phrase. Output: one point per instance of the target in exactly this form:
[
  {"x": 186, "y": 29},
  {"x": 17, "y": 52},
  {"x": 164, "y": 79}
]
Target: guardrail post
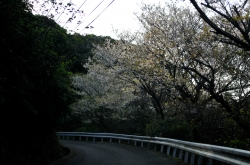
[
  {"x": 181, "y": 154},
  {"x": 186, "y": 157},
  {"x": 162, "y": 147},
  {"x": 119, "y": 141},
  {"x": 87, "y": 138},
  {"x": 168, "y": 150},
  {"x": 73, "y": 137},
  {"x": 110, "y": 140},
  {"x": 141, "y": 144},
  {"x": 199, "y": 160},
  {"x": 94, "y": 139},
  {"x": 101, "y": 139},
  {"x": 80, "y": 138},
  {"x": 192, "y": 159},
  {"x": 174, "y": 153},
  {"x": 135, "y": 143}
]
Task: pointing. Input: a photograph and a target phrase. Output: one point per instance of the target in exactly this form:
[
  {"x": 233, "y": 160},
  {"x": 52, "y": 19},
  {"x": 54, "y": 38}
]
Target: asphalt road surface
[{"x": 104, "y": 153}]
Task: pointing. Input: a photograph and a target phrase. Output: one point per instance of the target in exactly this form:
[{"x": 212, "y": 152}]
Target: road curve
[{"x": 103, "y": 153}]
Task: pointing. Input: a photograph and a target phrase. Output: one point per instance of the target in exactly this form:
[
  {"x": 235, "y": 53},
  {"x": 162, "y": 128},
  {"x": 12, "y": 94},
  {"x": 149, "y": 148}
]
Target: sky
[{"x": 119, "y": 15}]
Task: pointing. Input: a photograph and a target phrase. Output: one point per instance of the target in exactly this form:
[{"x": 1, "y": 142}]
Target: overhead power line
[
  {"x": 89, "y": 14},
  {"x": 94, "y": 19},
  {"x": 63, "y": 11},
  {"x": 98, "y": 15},
  {"x": 50, "y": 8},
  {"x": 74, "y": 14}
]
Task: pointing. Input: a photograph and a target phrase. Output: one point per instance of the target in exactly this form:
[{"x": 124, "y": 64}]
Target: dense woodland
[
  {"x": 185, "y": 75},
  {"x": 38, "y": 59}
]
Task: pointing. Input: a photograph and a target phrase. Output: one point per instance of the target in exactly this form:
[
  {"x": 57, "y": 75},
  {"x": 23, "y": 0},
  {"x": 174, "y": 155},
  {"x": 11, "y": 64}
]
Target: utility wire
[
  {"x": 74, "y": 14},
  {"x": 50, "y": 8},
  {"x": 93, "y": 19},
  {"x": 89, "y": 14},
  {"x": 62, "y": 11},
  {"x": 98, "y": 15}
]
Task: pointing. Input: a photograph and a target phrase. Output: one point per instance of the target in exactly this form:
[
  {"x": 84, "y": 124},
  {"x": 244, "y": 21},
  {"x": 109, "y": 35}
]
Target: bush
[{"x": 171, "y": 128}]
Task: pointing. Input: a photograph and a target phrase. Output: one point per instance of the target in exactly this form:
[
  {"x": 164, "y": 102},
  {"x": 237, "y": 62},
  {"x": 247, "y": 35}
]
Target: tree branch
[{"x": 239, "y": 42}]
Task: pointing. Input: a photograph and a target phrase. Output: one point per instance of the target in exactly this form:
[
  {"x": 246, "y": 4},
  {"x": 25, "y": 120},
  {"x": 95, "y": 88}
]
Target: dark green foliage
[
  {"x": 71, "y": 123},
  {"x": 35, "y": 77},
  {"x": 35, "y": 84},
  {"x": 83, "y": 46},
  {"x": 171, "y": 128}
]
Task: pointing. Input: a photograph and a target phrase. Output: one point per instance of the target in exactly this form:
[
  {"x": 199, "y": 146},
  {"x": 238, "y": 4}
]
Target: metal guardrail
[{"x": 189, "y": 152}]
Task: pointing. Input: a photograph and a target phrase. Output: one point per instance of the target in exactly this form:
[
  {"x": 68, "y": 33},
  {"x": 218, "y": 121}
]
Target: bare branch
[{"x": 238, "y": 41}]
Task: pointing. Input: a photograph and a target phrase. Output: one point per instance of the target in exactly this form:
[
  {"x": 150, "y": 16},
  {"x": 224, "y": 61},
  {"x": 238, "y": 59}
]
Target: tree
[
  {"x": 83, "y": 46},
  {"x": 104, "y": 96},
  {"x": 233, "y": 26},
  {"x": 200, "y": 60},
  {"x": 134, "y": 63},
  {"x": 200, "y": 69},
  {"x": 62, "y": 12},
  {"x": 35, "y": 84}
]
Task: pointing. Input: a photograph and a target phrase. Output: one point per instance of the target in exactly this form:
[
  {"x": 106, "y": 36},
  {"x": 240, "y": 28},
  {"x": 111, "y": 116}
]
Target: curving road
[{"x": 102, "y": 153}]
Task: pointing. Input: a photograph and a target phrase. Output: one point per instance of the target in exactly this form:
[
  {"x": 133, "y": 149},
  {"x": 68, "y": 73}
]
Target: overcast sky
[{"x": 118, "y": 16}]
